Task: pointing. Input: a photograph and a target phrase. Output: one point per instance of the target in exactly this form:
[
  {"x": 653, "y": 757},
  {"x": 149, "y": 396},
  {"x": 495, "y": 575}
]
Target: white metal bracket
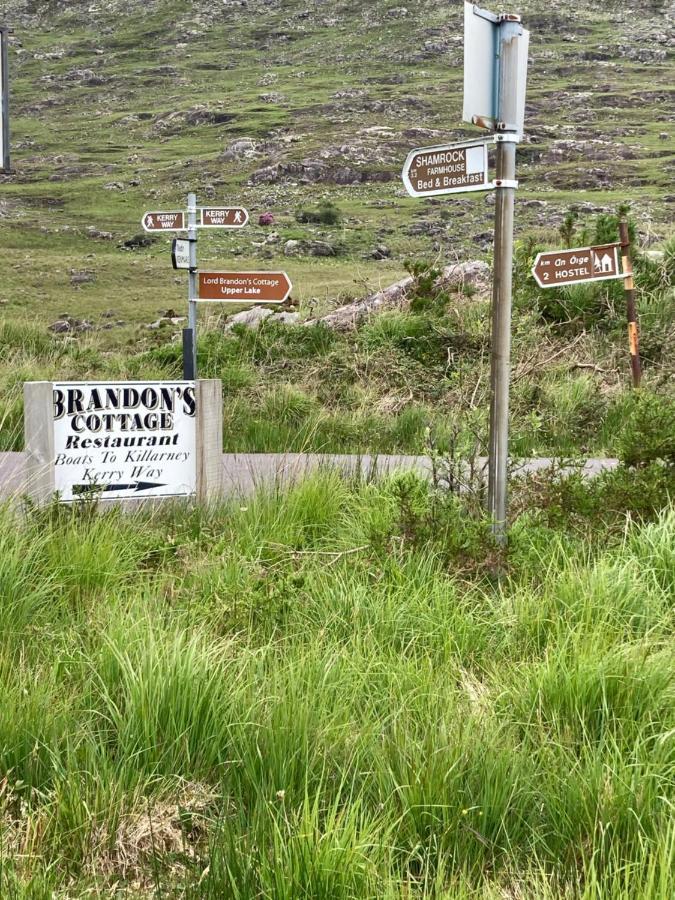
[
  {"x": 508, "y": 137},
  {"x": 485, "y": 14},
  {"x": 505, "y": 183}
]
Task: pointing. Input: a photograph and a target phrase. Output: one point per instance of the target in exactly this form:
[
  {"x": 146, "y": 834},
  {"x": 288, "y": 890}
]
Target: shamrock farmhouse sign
[{"x": 121, "y": 440}]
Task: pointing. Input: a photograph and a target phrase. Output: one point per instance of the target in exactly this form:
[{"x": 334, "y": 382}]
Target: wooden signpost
[{"x": 562, "y": 268}]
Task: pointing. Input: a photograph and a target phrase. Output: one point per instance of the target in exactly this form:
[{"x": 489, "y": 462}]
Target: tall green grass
[{"x": 292, "y": 698}]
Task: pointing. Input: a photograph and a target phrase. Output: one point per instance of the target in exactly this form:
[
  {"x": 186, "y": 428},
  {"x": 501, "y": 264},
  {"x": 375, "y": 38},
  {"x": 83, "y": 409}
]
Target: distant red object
[{"x": 266, "y": 219}]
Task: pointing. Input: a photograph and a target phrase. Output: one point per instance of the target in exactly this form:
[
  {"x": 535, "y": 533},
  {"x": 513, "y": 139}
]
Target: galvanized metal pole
[
  {"x": 500, "y": 364},
  {"x": 192, "y": 281},
  {"x": 4, "y": 102},
  {"x": 631, "y": 308}
]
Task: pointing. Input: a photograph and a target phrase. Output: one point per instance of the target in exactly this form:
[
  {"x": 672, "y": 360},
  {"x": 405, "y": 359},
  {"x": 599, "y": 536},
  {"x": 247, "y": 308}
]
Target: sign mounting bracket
[{"x": 485, "y": 14}]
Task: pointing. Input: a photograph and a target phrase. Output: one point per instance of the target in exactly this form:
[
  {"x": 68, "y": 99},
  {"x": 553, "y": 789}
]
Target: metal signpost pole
[
  {"x": 190, "y": 339},
  {"x": 4, "y": 102},
  {"x": 507, "y": 139}
]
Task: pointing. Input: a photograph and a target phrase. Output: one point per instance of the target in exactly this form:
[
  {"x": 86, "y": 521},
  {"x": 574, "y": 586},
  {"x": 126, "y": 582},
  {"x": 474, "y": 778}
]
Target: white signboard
[
  {"x": 449, "y": 169},
  {"x": 117, "y": 440},
  {"x": 180, "y": 254},
  {"x": 481, "y": 36},
  {"x": 481, "y": 69},
  {"x": 4, "y": 103}
]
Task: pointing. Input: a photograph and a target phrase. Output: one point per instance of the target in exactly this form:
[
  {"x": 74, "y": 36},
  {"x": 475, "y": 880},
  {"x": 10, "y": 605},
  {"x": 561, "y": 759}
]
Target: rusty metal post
[
  {"x": 631, "y": 308},
  {"x": 510, "y": 31}
]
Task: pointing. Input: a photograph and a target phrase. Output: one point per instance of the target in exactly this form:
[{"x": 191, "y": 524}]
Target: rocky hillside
[{"x": 280, "y": 104}]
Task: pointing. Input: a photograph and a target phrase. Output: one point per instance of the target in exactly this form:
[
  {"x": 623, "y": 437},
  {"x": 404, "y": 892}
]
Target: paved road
[{"x": 244, "y": 472}]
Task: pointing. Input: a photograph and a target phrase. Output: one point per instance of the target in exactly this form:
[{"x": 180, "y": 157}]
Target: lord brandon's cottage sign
[{"x": 127, "y": 439}]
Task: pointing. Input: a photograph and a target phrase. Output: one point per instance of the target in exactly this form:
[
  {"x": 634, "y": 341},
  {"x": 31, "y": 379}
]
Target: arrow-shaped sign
[
  {"x": 135, "y": 486},
  {"x": 450, "y": 169},
  {"x": 164, "y": 221},
  {"x": 557, "y": 268},
  {"x": 244, "y": 287},
  {"x": 223, "y": 217}
]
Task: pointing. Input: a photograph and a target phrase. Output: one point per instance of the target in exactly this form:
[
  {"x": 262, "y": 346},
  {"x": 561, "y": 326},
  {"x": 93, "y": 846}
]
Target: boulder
[
  {"x": 476, "y": 273},
  {"x": 70, "y": 325},
  {"x": 250, "y": 318}
]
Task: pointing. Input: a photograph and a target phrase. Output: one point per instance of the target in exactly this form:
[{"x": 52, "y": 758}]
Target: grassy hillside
[{"x": 122, "y": 107}]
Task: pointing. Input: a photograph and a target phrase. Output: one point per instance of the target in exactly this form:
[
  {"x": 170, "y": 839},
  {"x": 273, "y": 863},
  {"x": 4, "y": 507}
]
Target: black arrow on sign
[{"x": 105, "y": 488}]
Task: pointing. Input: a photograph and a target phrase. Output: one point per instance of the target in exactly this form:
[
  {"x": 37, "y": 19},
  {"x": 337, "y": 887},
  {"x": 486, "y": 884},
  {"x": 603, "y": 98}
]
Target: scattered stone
[
  {"x": 287, "y": 318},
  {"x": 113, "y": 186},
  {"x": 484, "y": 239},
  {"x": 315, "y": 171},
  {"x": 272, "y": 98},
  {"x": 169, "y": 318},
  {"x": 243, "y": 148},
  {"x": 321, "y": 248},
  {"x": 86, "y": 77},
  {"x": 293, "y": 248},
  {"x": 309, "y": 248},
  {"x": 381, "y": 252},
  {"x": 100, "y": 235},
  {"x": 250, "y": 318},
  {"x": 565, "y": 151},
  {"x": 642, "y": 54},
  {"x": 70, "y": 325},
  {"x": 86, "y": 276},
  {"x": 139, "y": 240}
]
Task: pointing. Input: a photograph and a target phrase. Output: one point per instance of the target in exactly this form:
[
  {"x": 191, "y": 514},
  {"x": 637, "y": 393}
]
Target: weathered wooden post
[{"x": 631, "y": 307}]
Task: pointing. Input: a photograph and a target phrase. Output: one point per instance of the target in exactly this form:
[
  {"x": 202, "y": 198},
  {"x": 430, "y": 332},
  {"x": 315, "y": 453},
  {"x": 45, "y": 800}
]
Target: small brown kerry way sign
[
  {"x": 164, "y": 221},
  {"x": 223, "y": 217}
]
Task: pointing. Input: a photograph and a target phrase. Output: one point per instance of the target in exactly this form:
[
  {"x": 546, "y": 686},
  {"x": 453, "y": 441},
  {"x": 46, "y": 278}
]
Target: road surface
[{"x": 243, "y": 473}]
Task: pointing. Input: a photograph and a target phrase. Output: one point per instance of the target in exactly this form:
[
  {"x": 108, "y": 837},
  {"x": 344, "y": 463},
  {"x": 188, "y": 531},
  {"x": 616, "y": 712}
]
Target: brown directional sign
[
  {"x": 452, "y": 169},
  {"x": 164, "y": 221},
  {"x": 558, "y": 268},
  {"x": 223, "y": 217},
  {"x": 244, "y": 287}
]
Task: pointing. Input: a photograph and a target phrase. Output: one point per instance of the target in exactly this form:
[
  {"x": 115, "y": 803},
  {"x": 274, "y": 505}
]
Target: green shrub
[
  {"x": 325, "y": 214},
  {"x": 646, "y": 428}
]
